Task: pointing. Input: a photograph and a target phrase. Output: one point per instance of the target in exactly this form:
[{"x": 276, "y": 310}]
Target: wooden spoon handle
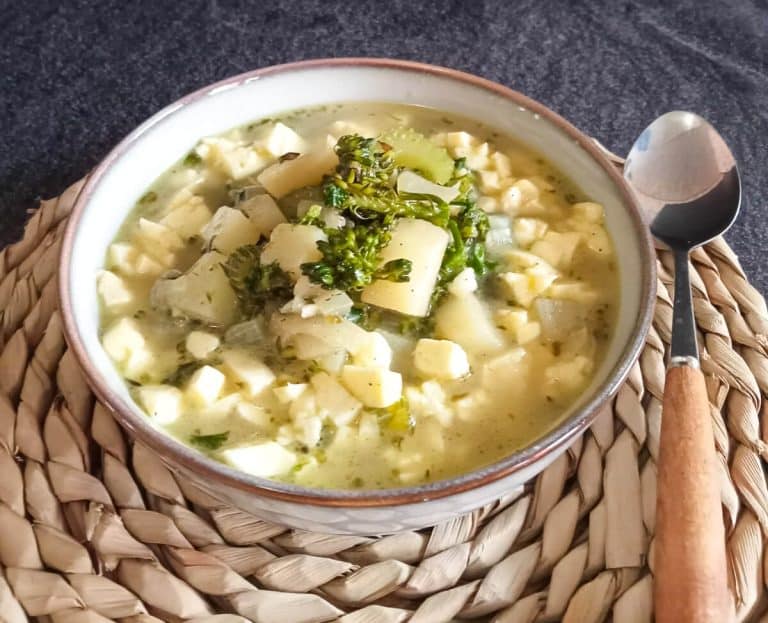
[{"x": 690, "y": 568}]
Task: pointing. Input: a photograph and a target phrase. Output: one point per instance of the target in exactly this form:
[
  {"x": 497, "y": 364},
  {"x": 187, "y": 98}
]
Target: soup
[{"x": 359, "y": 296}]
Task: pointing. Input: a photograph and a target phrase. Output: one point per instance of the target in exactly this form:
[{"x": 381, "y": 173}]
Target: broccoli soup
[{"x": 359, "y": 296}]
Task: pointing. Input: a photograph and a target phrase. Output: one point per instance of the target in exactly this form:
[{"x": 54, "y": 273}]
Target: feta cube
[
  {"x": 146, "y": 265},
  {"x": 205, "y": 385},
  {"x": 459, "y": 139},
  {"x": 310, "y": 431},
  {"x": 501, "y": 163},
  {"x": 511, "y": 319},
  {"x": 262, "y": 459},
  {"x": 373, "y": 351},
  {"x": 333, "y": 399},
  {"x": 161, "y": 402},
  {"x": 233, "y": 160},
  {"x": 440, "y": 359},
  {"x": 114, "y": 291},
  {"x": 368, "y": 428},
  {"x": 253, "y": 414},
  {"x": 488, "y": 204},
  {"x": 557, "y": 248},
  {"x": 122, "y": 339},
  {"x": 154, "y": 235},
  {"x": 464, "y": 283},
  {"x": 517, "y": 288},
  {"x": 374, "y": 387},
  {"x": 528, "y": 332},
  {"x": 570, "y": 375},
  {"x": 517, "y": 195},
  {"x": 281, "y": 140},
  {"x": 289, "y": 392},
  {"x": 528, "y": 230},
  {"x": 248, "y": 370},
  {"x": 588, "y": 211},
  {"x": 489, "y": 181},
  {"x": 200, "y": 344},
  {"x": 122, "y": 256}
]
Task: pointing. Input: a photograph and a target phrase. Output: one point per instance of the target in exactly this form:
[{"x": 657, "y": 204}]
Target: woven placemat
[{"x": 94, "y": 529}]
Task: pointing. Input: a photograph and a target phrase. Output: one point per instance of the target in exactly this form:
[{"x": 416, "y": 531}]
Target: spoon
[{"x": 687, "y": 184}]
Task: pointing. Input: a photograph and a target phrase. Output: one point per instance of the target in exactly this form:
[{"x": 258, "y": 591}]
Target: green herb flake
[{"x": 209, "y": 442}]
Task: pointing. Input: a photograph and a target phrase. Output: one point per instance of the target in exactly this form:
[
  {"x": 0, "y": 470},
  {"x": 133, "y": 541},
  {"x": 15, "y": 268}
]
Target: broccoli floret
[{"x": 255, "y": 284}]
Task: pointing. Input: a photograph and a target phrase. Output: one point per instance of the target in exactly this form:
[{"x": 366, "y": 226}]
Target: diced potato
[
  {"x": 374, "y": 387},
  {"x": 334, "y": 400},
  {"x": 410, "y": 182},
  {"x": 203, "y": 292},
  {"x": 281, "y": 140},
  {"x": 200, "y": 344},
  {"x": 528, "y": 230},
  {"x": 503, "y": 373},
  {"x": 374, "y": 351},
  {"x": 307, "y": 170},
  {"x": 557, "y": 248},
  {"x": 161, "y": 402},
  {"x": 159, "y": 241},
  {"x": 528, "y": 332},
  {"x": 467, "y": 321},
  {"x": 517, "y": 287},
  {"x": 293, "y": 245},
  {"x": 429, "y": 400},
  {"x": 595, "y": 237},
  {"x": 569, "y": 376},
  {"x": 588, "y": 211},
  {"x": 289, "y": 392},
  {"x": 368, "y": 428},
  {"x": 501, "y": 163},
  {"x": 489, "y": 181},
  {"x": 310, "y": 431},
  {"x": 253, "y": 414},
  {"x": 263, "y": 212},
  {"x": 205, "y": 385},
  {"x": 333, "y": 362},
  {"x": 579, "y": 292},
  {"x": 424, "y": 244},
  {"x": 233, "y": 160},
  {"x": 189, "y": 218},
  {"x": 511, "y": 319},
  {"x": 229, "y": 229},
  {"x": 440, "y": 359},
  {"x": 114, "y": 291},
  {"x": 476, "y": 155},
  {"x": 147, "y": 266},
  {"x": 540, "y": 277},
  {"x": 522, "y": 260},
  {"x": 121, "y": 256},
  {"x": 329, "y": 334},
  {"x": 125, "y": 344},
  {"x": 248, "y": 370},
  {"x": 459, "y": 139},
  {"x": 262, "y": 459},
  {"x": 464, "y": 283},
  {"x": 488, "y": 204}
]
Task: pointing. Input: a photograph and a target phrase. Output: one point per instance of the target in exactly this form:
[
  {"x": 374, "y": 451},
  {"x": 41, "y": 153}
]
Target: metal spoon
[{"x": 687, "y": 183}]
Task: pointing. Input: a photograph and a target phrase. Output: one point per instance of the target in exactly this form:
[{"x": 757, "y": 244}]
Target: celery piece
[{"x": 415, "y": 151}]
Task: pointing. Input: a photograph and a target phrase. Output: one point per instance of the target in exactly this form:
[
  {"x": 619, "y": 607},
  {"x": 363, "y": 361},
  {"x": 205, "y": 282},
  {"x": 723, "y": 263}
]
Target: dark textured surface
[{"x": 75, "y": 77}]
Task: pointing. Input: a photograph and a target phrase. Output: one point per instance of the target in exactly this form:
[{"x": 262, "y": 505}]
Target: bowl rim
[{"x": 180, "y": 455}]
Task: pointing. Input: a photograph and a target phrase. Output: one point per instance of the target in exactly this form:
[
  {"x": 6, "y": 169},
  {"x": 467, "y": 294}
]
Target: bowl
[{"x": 117, "y": 183}]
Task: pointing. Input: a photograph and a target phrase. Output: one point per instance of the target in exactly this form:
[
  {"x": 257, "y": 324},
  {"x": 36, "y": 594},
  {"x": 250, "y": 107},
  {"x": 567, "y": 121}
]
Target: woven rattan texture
[{"x": 93, "y": 529}]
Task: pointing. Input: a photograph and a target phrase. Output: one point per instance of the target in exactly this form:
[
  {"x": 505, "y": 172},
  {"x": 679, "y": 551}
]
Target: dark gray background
[{"x": 75, "y": 77}]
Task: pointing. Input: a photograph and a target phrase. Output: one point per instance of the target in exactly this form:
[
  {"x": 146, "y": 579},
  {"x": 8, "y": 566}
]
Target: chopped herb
[
  {"x": 291, "y": 155},
  {"x": 192, "y": 159},
  {"x": 209, "y": 442},
  {"x": 148, "y": 197},
  {"x": 182, "y": 374}
]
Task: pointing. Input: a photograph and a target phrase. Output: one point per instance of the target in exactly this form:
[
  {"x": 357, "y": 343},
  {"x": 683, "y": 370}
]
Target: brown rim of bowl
[{"x": 213, "y": 471}]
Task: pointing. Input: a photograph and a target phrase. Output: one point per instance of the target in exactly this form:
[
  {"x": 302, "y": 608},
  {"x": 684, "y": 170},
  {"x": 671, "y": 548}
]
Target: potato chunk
[
  {"x": 440, "y": 359},
  {"x": 203, "y": 292},
  {"x": 263, "y": 212},
  {"x": 374, "y": 387},
  {"x": 292, "y": 245},
  {"x": 248, "y": 370},
  {"x": 284, "y": 177},
  {"x": 205, "y": 385},
  {"x": 424, "y": 244},
  {"x": 114, "y": 291},
  {"x": 466, "y": 321},
  {"x": 161, "y": 402},
  {"x": 262, "y": 459},
  {"x": 229, "y": 229}
]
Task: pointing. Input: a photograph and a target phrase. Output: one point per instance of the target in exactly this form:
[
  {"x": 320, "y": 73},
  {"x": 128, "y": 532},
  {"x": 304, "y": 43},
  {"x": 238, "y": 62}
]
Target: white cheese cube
[
  {"x": 588, "y": 211},
  {"x": 500, "y": 372},
  {"x": 122, "y": 256},
  {"x": 528, "y": 230},
  {"x": 517, "y": 288},
  {"x": 123, "y": 338},
  {"x": 146, "y": 265},
  {"x": 189, "y": 218},
  {"x": 459, "y": 139},
  {"x": 429, "y": 400},
  {"x": 158, "y": 238},
  {"x": 248, "y": 370},
  {"x": 281, "y": 140},
  {"x": 200, "y": 344},
  {"x": 467, "y": 321},
  {"x": 310, "y": 430},
  {"x": 205, "y": 385},
  {"x": 464, "y": 283},
  {"x": 289, "y": 392},
  {"x": 511, "y": 319},
  {"x": 579, "y": 292},
  {"x": 374, "y": 351},
  {"x": 293, "y": 245},
  {"x": 333, "y": 399},
  {"x": 596, "y": 238},
  {"x": 489, "y": 181},
  {"x": 501, "y": 163},
  {"x": 477, "y": 156},
  {"x": 114, "y": 291},
  {"x": 557, "y": 248},
  {"x": 161, "y": 402},
  {"x": 440, "y": 359},
  {"x": 374, "y": 387},
  {"x": 262, "y": 459},
  {"x": 570, "y": 375},
  {"x": 263, "y": 212},
  {"x": 233, "y": 160},
  {"x": 520, "y": 193},
  {"x": 229, "y": 229},
  {"x": 424, "y": 245},
  {"x": 307, "y": 170},
  {"x": 489, "y": 205},
  {"x": 368, "y": 428},
  {"x": 540, "y": 278}
]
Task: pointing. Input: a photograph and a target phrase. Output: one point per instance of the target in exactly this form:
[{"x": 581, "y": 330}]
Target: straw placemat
[{"x": 93, "y": 529}]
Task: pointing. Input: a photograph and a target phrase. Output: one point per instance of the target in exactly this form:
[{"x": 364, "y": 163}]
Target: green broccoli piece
[
  {"x": 415, "y": 151},
  {"x": 255, "y": 284}
]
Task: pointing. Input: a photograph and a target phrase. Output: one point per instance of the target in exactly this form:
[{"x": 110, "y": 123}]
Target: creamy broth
[{"x": 247, "y": 336}]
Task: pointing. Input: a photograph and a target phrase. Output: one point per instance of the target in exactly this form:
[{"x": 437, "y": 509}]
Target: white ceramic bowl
[{"x": 128, "y": 170}]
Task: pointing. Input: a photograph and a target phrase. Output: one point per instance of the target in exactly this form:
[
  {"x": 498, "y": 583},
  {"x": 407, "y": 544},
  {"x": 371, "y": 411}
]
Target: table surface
[{"x": 76, "y": 77}]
